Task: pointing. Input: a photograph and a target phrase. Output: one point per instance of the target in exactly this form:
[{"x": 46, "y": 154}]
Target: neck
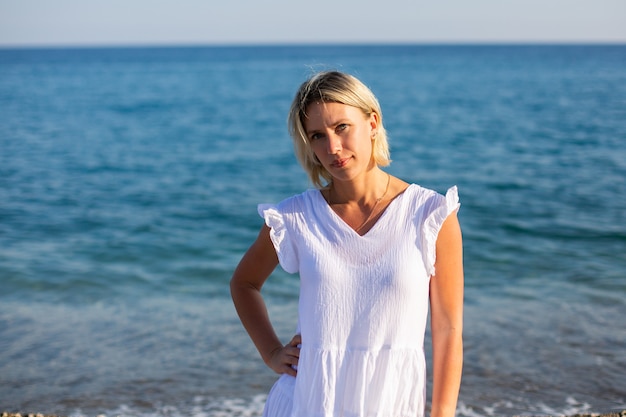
[{"x": 365, "y": 191}]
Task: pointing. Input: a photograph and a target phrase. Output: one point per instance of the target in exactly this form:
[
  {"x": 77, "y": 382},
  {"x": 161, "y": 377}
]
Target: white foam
[
  {"x": 200, "y": 407},
  {"x": 205, "y": 406},
  {"x": 570, "y": 407}
]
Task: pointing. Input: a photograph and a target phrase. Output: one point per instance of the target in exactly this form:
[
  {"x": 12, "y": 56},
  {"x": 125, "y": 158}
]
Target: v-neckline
[{"x": 342, "y": 223}]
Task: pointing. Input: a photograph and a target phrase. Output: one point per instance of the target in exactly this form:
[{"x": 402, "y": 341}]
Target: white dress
[{"x": 363, "y": 304}]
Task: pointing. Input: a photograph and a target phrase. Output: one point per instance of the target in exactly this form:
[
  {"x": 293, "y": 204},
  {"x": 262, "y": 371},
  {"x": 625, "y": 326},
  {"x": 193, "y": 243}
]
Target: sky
[{"x": 226, "y": 22}]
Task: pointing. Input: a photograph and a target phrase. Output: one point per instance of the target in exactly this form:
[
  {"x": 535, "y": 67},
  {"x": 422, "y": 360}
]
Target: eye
[
  {"x": 341, "y": 127},
  {"x": 316, "y": 136}
]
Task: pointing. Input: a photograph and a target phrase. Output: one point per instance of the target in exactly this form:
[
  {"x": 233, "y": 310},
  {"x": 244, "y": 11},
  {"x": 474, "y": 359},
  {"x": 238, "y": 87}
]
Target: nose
[{"x": 334, "y": 144}]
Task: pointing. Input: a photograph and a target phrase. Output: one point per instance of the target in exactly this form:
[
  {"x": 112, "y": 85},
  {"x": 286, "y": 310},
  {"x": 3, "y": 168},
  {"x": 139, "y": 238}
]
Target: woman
[{"x": 372, "y": 252}]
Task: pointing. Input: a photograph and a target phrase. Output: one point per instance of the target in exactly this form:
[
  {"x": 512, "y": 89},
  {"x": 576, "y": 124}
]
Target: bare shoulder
[
  {"x": 450, "y": 233},
  {"x": 449, "y": 254},
  {"x": 258, "y": 262}
]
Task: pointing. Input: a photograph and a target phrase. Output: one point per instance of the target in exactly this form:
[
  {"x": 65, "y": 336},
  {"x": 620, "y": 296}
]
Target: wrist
[{"x": 267, "y": 358}]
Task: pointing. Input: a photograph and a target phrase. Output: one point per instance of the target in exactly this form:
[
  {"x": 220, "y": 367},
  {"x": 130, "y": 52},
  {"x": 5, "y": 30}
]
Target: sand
[{"x": 615, "y": 414}]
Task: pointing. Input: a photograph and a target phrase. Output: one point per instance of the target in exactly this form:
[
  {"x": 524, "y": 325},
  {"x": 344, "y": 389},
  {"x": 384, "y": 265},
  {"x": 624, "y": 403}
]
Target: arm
[
  {"x": 446, "y": 302},
  {"x": 245, "y": 287}
]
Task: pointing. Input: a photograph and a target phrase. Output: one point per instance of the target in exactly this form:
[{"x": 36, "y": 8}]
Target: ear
[{"x": 373, "y": 122}]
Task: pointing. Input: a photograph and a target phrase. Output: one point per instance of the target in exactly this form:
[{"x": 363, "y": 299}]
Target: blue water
[{"x": 129, "y": 180}]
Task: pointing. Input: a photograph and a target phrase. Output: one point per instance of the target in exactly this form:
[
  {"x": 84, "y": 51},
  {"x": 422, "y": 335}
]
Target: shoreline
[{"x": 613, "y": 414}]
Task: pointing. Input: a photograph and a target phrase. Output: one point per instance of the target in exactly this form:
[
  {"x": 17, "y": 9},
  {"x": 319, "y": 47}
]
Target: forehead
[{"x": 323, "y": 114}]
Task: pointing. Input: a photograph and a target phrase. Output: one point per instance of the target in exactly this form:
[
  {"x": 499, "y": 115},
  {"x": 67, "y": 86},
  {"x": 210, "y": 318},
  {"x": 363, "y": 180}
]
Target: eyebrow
[{"x": 334, "y": 124}]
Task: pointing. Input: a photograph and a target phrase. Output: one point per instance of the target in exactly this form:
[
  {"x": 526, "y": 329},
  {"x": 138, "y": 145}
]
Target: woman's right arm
[{"x": 245, "y": 286}]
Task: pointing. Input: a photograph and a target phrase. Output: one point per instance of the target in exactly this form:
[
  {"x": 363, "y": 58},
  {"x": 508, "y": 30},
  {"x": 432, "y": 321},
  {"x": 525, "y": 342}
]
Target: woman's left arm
[{"x": 446, "y": 304}]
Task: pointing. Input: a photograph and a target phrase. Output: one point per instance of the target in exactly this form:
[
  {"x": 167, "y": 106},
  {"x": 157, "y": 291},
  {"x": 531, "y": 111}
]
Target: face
[{"x": 341, "y": 138}]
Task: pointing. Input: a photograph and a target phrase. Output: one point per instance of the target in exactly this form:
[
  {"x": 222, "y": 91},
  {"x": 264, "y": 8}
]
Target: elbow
[
  {"x": 452, "y": 332},
  {"x": 239, "y": 285},
  {"x": 235, "y": 285}
]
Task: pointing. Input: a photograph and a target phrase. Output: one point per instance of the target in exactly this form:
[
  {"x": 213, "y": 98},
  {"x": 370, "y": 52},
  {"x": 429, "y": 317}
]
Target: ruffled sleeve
[
  {"x": 280, "y": 236},
  {"x": 439, "y": 212}
]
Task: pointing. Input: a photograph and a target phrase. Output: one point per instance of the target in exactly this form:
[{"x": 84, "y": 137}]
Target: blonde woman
[{"x": 373, "y": 254}]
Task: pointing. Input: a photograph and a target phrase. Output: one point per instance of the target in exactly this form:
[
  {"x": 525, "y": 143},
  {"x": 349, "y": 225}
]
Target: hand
[{"x": 282, "y": 359}]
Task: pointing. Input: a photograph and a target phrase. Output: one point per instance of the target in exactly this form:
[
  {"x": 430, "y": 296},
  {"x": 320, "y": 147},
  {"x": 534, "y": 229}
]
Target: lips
[{"x": 339, "y": 163}]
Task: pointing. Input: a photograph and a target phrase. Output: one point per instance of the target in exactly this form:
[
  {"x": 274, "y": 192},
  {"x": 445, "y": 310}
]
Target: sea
[{"x": 129, "y": 184}]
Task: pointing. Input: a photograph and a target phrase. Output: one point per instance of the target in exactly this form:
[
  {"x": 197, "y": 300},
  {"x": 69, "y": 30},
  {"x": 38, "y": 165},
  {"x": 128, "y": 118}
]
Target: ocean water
[{"x": 129, "y": 180}]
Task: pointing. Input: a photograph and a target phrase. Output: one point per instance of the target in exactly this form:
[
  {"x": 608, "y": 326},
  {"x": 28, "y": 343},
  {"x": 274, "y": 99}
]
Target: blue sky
[{"x": 159, "y": 22}]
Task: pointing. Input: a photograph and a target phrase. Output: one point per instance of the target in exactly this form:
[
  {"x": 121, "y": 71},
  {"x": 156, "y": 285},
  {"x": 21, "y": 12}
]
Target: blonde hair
[{"x": 333, "y": 87}]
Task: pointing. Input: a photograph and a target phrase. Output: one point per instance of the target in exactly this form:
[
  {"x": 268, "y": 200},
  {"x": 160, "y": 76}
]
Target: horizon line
[{"x": 157, "y": 45}]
